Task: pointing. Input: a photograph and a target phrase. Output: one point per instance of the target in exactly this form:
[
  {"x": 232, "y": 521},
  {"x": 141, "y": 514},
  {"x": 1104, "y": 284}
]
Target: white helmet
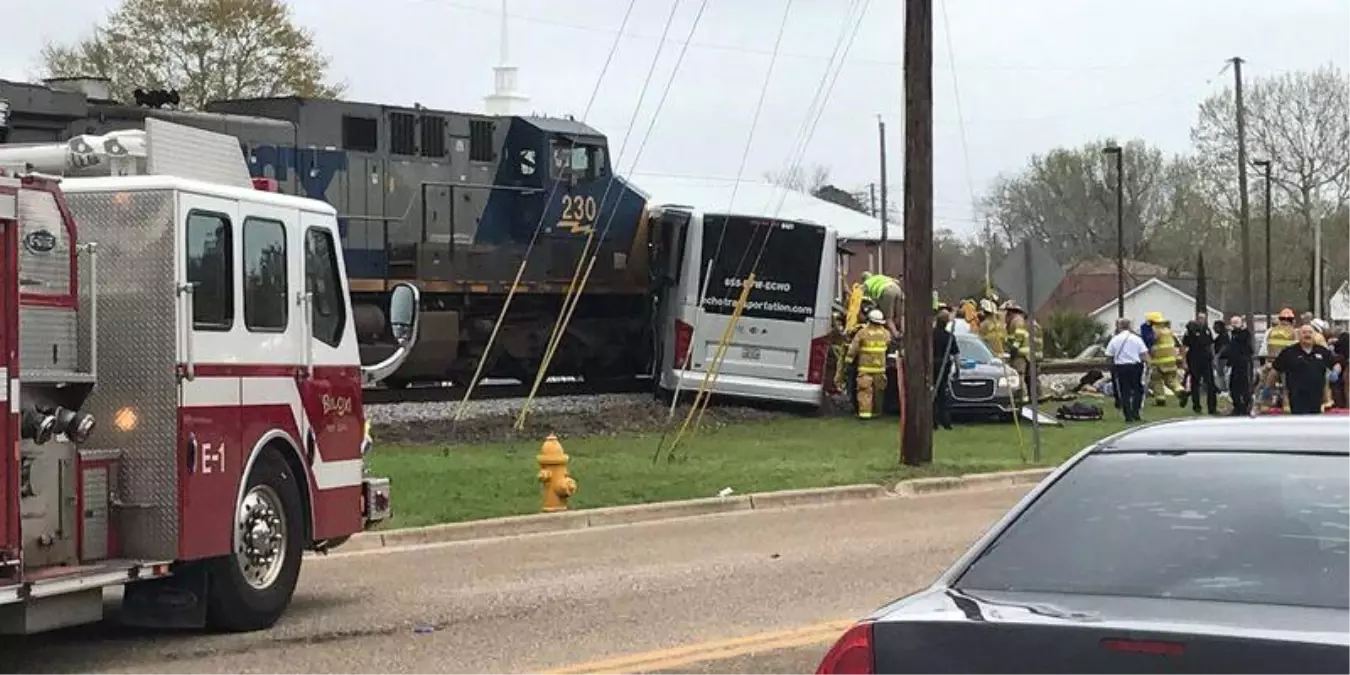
[
  {"x": 875, "y": 316},
  {"x": 1319, "y": 325}
]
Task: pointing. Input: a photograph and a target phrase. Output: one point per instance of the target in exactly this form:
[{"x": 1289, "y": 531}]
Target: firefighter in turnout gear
[
  {"x": 991, "y": 327},
  {"x": 1163, "y": 359},
  {"x": 1019, "y": 340},
  {"x": 1280, "y": 336},
  {"x": 869, "y": 349}
]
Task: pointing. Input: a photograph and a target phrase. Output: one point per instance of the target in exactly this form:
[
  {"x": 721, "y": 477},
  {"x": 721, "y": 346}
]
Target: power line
[{"x": 898, "y": 63}]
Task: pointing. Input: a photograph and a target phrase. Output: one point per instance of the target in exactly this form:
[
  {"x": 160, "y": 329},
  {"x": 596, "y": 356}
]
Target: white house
[
  {"x": 1338, "y": 306},
  {"x": 1154, "y": 295}
]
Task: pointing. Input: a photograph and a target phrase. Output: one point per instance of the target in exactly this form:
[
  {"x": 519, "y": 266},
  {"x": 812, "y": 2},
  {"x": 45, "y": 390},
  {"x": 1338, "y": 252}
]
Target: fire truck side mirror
[{"x": 404, "y": 303}]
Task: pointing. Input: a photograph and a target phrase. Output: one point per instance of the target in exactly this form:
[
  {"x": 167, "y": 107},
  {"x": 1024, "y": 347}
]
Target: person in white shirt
[{"x": 1128, "y": 354}]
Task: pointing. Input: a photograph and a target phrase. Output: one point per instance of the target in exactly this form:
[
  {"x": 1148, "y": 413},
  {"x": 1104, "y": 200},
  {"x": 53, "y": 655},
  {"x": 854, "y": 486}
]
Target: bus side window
[{"x": 328, "y": 312}]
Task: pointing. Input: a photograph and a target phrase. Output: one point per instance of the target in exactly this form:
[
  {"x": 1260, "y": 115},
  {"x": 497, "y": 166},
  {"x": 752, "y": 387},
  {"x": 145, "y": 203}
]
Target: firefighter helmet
[
  {"x": 1320, "y": 326},
  {"x": 1154, "y": 317},
  {"x": 875, "y": 316},
  {"x": 987, "y": 306}
]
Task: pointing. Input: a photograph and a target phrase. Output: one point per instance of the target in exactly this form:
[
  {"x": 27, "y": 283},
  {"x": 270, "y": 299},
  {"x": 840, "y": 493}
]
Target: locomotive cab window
[
  {"x": 265, "y": 293},
  {"x": 210, "y": 270},
  {"x": 571, "y": 158},
  {"x": 328, "y": 315}
]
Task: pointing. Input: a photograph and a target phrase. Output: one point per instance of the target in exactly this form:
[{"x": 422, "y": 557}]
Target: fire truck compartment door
[{"x": 10, "y": 465}]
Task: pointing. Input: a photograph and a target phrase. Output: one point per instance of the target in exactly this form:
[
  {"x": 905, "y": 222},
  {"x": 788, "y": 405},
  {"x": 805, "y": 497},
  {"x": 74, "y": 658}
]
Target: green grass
[{"x": 482, "y": 481}]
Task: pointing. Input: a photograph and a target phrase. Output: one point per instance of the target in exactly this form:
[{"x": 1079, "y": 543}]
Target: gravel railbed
[
  {"x": 493, "y": 420},
  {"x": 567, "y": 416}
]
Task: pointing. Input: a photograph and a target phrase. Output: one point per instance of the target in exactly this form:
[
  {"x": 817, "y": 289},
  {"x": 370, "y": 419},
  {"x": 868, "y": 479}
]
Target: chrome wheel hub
[{"x": 260, "y": 537}]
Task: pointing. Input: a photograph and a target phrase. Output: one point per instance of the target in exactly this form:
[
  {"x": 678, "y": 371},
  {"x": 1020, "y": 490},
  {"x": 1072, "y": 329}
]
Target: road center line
[{"x": 675, "y": 657}]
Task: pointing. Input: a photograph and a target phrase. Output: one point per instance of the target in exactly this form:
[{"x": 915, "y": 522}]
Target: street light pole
[
  {"x": 1265, "y": 163},
  {"x": 1120, "y": 227}
]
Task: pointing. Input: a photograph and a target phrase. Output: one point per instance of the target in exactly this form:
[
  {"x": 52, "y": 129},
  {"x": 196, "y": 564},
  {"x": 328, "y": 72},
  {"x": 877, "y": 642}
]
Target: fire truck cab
[{"x": 179, "y": 359}]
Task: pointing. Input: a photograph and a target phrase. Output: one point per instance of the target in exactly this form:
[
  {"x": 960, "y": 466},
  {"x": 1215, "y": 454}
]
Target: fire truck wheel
[{"x": 253, "y": 585}]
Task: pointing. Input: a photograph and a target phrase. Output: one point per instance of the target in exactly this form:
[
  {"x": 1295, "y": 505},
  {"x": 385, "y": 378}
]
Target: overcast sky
[{"x": 1030, "y": 74}]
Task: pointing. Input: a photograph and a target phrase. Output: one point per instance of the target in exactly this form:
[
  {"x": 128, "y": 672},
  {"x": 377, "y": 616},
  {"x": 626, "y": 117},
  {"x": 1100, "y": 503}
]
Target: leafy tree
[
  {"x": 205, "y": 49},
  {"x": 1067, "y": 199},
  {"x": 1067, "y": 334}
]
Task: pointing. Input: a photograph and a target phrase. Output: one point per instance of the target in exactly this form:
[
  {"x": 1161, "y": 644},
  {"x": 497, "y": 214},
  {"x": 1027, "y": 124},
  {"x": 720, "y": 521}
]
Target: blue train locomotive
[{"x": 451, "y": 201}]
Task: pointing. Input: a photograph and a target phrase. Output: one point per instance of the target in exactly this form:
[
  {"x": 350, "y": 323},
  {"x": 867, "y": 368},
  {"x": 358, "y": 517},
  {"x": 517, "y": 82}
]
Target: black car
[{"x": 1191, "y": 546}]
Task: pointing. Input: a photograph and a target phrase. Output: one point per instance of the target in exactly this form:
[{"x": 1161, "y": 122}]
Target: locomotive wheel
[{"x": 251, "y": 587}]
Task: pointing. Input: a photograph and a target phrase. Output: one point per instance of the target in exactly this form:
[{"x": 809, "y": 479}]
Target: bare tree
[
  {"x": 1298, "y": 121},
  {"x": 1067, "y": 199},
  {"x": 205, "y": 49},
  {"x": 802, "y": 179}
]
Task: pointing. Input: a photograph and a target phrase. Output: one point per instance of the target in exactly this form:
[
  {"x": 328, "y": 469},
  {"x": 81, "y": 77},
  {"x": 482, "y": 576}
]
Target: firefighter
[
  {"x": 991, "y": 327},
  {"x": 886, "y": 294},
  {"x": 1278, "y": 338},
  {"x": 1163, "y": 357},
  {"x": 1018, "y": 340},
  {"x": 868, "y": 348}
]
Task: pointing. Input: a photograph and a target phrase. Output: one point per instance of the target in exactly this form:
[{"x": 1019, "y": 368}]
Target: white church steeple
[{"x": 504, "y": 99}]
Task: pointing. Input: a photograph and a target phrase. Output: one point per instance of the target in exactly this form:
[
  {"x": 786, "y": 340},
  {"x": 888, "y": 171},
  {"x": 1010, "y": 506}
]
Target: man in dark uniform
[
  {"x": 1304, "y": 366},
  {"x": 1198, "y": 350},
  {"x": 1238, "y": 355},
  {"x": 945, "y": 357}
]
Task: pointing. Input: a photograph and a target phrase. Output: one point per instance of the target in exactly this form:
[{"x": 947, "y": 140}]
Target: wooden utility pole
[
  {"x": 1243, "y": 207},
  {"x": 885, "y": 216},
  {"x": 916, "y": 443},
  {"x": 872, "y": 199}
]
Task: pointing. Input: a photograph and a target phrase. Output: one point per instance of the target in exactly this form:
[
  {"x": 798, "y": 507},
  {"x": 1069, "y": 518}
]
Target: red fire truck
[{"x": 184, "y": 388}]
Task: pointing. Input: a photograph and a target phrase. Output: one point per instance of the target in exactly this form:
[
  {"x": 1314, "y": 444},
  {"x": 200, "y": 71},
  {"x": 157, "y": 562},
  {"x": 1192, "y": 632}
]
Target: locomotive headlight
[{"x": 36, "y": 426}]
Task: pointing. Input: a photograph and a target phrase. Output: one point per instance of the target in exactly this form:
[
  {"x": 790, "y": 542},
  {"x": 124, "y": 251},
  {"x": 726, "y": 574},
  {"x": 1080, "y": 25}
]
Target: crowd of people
[{"x": 1302, "y": 370}]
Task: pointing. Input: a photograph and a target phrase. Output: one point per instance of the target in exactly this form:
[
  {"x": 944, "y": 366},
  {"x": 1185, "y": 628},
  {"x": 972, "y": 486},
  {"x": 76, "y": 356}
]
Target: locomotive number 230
[{"x": 578, "y": 213}]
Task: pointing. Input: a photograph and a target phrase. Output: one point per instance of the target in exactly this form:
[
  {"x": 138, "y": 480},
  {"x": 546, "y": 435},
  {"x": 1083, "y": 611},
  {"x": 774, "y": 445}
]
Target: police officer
[
  {"x": 869, "y": 349},
  {"x": 1304, "y": 366},
  {"x": 1237, "y": 353},
  {"x": 1198, "y": 351}
]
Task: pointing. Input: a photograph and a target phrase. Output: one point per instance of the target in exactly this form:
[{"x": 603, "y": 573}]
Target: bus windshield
[{"x": 788, "y": 275}]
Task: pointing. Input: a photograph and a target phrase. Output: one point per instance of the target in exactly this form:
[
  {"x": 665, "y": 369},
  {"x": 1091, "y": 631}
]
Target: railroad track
[{"x": 436, "y": 394}]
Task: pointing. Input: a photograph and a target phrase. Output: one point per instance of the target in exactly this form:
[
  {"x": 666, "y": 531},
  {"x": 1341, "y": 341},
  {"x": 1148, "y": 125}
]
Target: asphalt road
[{"x": 760, "y": 591}]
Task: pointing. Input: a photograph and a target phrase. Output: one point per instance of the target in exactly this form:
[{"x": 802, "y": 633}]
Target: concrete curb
[
  {"x": 970, "y": 481},
  {"x": 537, "y": 523}
]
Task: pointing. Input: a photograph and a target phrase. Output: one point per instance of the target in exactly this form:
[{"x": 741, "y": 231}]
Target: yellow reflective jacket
[
  {"x": 1278, "y": 338},
  {"x": 992, "y": 332},
  {"x": 869, "y": 346},
  {"x": 1164, "y": 351}
]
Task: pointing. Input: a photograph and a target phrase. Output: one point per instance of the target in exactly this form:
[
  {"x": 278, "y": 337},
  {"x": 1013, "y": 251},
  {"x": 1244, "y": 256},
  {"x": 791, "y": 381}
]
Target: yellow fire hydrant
[{"x": 557, "y": 486}]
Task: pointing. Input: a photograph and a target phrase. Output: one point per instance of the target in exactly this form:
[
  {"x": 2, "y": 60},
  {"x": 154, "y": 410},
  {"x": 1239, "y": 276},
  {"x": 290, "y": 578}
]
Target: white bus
[{"x": 779, "y": 346}]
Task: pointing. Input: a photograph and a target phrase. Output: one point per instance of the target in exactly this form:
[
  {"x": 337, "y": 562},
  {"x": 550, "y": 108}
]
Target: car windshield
[
  {"x": 973, "y": 348},
  {"x": 1266, "y": 528}
]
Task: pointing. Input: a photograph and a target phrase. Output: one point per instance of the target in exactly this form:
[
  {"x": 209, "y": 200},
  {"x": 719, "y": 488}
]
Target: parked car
[
  {"x": 982, "y": 385},
  {"x": 1187, "y": 546}
]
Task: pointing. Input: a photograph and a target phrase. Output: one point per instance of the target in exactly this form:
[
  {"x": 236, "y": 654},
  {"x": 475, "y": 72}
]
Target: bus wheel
[{"x": 251, "y": 587}]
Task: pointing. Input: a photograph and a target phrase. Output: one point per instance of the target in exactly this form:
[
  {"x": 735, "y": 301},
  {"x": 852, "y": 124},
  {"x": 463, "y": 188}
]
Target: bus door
[{"x": 773, "y": 338}]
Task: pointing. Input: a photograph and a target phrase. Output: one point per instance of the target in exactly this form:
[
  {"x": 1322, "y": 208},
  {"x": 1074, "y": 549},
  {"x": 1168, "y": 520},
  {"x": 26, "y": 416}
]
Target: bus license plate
[{"x": 750, "y": 353}]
